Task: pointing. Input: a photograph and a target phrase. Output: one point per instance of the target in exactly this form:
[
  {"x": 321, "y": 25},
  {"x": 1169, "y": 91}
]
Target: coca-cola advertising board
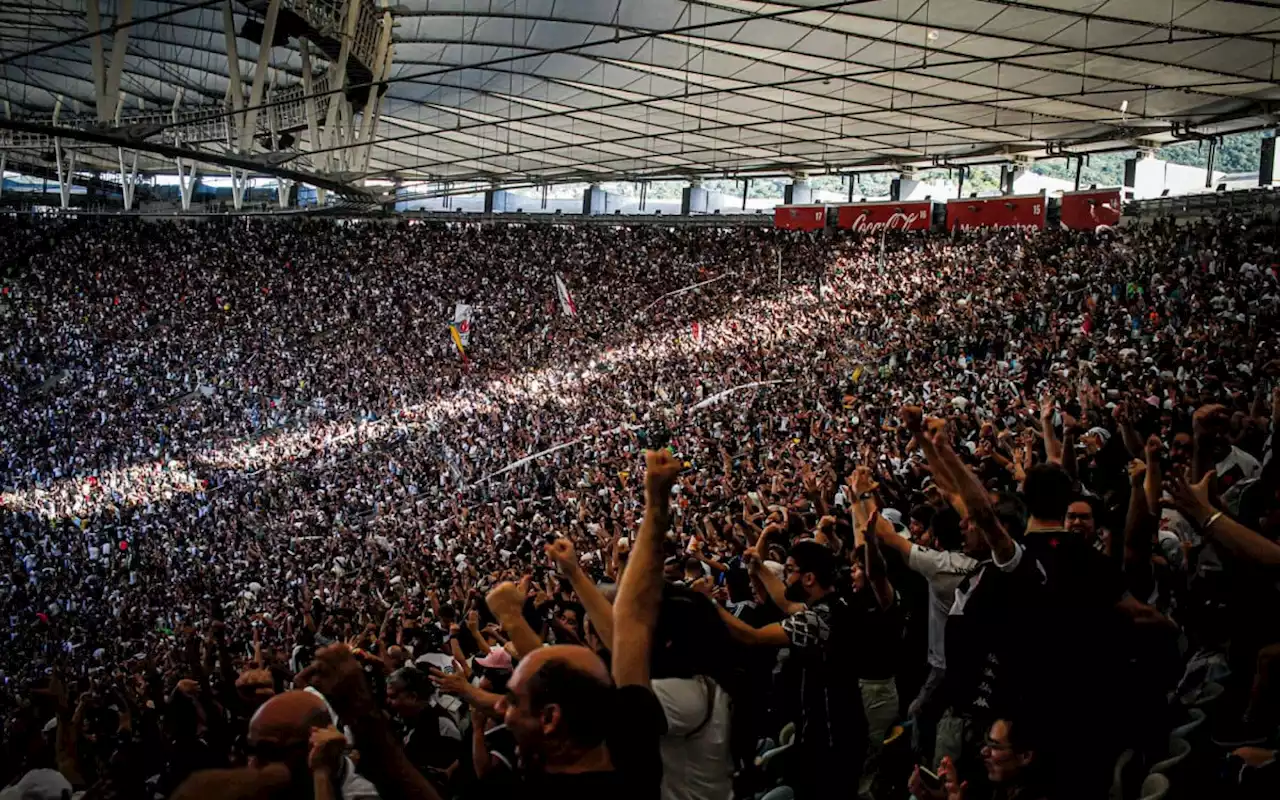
[
  {"x": 1085, "y": 211},
  {"x": 875, "y": 217},
  {"x": 800, "y": 218},
  {"x": 1008, "y": 211}
]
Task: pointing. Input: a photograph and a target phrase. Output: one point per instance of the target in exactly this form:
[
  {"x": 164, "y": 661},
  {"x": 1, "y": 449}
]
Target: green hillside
[{"x": 1238, "y": 153}]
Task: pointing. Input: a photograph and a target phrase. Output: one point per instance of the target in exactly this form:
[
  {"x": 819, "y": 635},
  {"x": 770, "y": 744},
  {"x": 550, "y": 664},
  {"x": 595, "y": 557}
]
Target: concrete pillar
[
  {"x": 594, "y": 200},
  {"x": 797, "y": 192},
  {"x": 905, "y": 187},
  {"x": 1145, "y": 175},
  {"x": 498, "y": 200},
  {"x": 1009, "y": 174},
  {"x": 693, "y": 200}
]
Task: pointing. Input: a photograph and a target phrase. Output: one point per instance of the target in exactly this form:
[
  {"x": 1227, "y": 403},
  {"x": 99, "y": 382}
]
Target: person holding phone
[{"x": 1010, "y": 762}]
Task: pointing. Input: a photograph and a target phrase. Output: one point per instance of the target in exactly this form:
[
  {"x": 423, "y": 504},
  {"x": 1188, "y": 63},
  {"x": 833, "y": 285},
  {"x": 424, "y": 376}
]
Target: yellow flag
[
  {"x": 457, "y": 341},
  {"x": 857, "y": 373}
]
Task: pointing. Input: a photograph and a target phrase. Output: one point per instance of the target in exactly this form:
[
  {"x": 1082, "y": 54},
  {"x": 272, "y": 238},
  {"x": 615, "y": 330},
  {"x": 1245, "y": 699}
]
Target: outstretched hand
[
  {"x": 862, "y": 481},
  {"x": 1193, "y": 500}
]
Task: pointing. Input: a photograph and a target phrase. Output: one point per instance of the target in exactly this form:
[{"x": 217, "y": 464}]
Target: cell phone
[{"x": 930, "y": 779}]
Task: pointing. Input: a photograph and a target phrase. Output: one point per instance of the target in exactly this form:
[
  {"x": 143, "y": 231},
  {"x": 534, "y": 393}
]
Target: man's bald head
[
  {"x": 558, "y": 701},
  {"x": 572, "y": 656},
  {"x": 289, "y": 718}
]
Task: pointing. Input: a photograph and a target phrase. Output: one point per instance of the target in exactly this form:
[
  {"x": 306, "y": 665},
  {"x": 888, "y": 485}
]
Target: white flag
[
  {"x": 566, "y": 299},
  {"x": 462, "y": 321}
]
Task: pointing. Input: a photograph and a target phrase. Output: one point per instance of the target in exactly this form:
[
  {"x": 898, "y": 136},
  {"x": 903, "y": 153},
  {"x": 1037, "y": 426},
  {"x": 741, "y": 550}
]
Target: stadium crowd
[{"x": 990, "y": 515}]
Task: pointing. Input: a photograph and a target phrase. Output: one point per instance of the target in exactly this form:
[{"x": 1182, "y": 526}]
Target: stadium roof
[{"x": 521, "y": 92}]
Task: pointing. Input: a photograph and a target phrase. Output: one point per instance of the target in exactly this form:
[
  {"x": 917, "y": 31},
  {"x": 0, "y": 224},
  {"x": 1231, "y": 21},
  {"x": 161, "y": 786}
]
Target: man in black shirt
[
  {"x": 431, "y": 741},
  {"x": 831, "y": 726},
  {"x": 1089, "y": 613},
  {"x": 878, "y": 618}
]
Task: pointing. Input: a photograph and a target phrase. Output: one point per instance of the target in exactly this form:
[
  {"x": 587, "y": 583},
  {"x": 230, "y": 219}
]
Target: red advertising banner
[
  {"x": 1009, "y": 211},
  {"x": 800, "y": 218},
  {"x": 873, "y": 217},
  {"x": 1085, "y": 211}
]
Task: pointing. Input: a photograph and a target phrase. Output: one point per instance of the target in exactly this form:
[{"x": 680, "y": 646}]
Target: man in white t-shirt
[{"x": 944, "y": 568}]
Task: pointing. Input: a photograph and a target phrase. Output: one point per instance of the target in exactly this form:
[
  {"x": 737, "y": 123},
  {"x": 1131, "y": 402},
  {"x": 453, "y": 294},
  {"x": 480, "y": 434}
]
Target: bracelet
[{"x": 1209, "y": 522}]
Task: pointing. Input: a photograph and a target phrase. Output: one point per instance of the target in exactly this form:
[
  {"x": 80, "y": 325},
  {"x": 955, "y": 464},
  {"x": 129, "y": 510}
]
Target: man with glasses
[{"x": 819, "y": 670}]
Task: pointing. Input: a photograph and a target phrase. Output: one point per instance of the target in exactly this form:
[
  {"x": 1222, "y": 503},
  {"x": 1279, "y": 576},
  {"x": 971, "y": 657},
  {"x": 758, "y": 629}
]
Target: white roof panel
[{"x": 594, "y": 89}]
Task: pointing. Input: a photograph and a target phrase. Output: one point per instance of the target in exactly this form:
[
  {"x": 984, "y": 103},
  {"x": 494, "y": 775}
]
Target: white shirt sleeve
[
  {"x": 926, "y": 562},
  {"x": 1013, "y": 562},
  {"x": 930, "y": 563}
]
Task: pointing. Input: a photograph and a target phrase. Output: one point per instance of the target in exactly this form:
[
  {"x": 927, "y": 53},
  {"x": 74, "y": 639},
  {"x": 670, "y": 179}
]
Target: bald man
[
  {"x": 578, "y": 735},
  {"x": 283, "y": 762}
]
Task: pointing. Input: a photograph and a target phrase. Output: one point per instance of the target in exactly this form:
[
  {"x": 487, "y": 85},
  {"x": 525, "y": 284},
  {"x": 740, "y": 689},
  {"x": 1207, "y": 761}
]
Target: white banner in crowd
[
  {"x": 566, "y": 299},
  {"x": 462, "y": 321},
  {"x": 684, "y": 289},
  {"x": 718, "y": 396}
]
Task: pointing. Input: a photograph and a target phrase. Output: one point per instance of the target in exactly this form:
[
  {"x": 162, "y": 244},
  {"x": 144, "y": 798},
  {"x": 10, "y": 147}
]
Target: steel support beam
[
  {"x": 106, "y": 77},
  {"x": 338, "y": 80},
  {"x": 239, "y": 183},
  {"x": 187, "y": 177},
  {"x": 373, "y": 106},
  {"x": 309, "y": 107},
  {"x": 249, "y": 120},
  {"x": 283, "y": 189},
  {"x": 128, "y": 178},
  {"x": 235, "y": 88},
  {"x": 258, "y": 164},
  {"x": 65, "y": 161}
]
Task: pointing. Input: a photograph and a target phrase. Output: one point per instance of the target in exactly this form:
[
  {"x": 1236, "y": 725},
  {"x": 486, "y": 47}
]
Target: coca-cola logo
[{"x": 898, "y": 220}]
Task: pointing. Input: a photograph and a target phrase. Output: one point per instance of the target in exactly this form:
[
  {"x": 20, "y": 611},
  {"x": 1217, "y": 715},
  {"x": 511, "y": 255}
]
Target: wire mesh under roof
[{"x": 532, "y": 91}]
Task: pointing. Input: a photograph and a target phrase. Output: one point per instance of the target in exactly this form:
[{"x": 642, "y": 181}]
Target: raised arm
[
  {"x": 338, "y": 676},
  {"x": 1052, "y": 447},
  {"x": 1124, "y": 420},
  {"x": 1193, "y": 500},
  {"x": 599, "y": 610},
  {"x": 1139, "y": 524},
  {"x": 772, "y": 635},
  {"x": 861, "y": 484},
  {"x": 635, "y": 612},
  {"x": 972, "y": 493},
  {"x": 877, "y": 572},
  {"x": 1205, "y": 425}
]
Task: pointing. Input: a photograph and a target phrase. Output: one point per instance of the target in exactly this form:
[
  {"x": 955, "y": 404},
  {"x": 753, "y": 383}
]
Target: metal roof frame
[{"x": 519, "y": 92}]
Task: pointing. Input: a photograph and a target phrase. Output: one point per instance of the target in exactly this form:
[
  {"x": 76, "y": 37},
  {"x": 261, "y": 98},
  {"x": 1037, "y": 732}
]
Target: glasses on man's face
[{"x": 994, "y": 746}]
